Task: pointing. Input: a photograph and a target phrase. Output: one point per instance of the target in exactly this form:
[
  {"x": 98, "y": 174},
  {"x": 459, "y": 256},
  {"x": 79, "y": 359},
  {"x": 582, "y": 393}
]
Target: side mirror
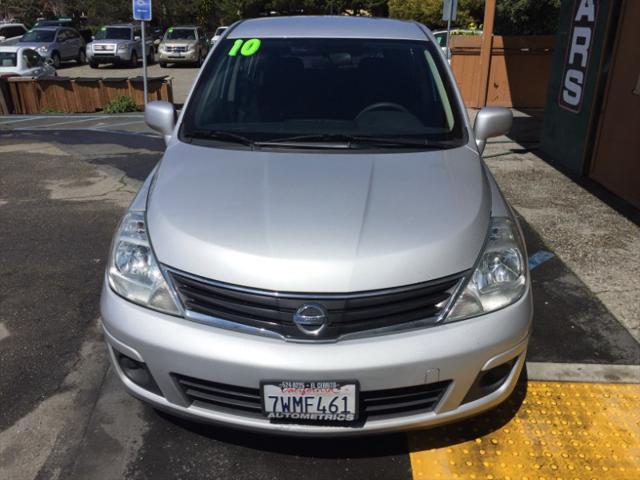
[
  {"x": 491, "y": 122},
  {"x": 161, "y": 117}
]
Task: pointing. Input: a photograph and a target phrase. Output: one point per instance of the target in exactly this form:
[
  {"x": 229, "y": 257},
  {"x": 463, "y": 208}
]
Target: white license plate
[
  {"x": 310, "y": 401},
  {"x": 176, "y": 55}
]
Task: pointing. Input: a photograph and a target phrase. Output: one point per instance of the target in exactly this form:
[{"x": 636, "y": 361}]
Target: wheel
[
  {"x": 163, "y": 65},
  {"x": 55, "y": 57},
  {"x": 134, "y": 59},
  {"x": 93, "y": 64},
  {"x": 151, "y": 58},
  {"x": 82, "y": 57}
]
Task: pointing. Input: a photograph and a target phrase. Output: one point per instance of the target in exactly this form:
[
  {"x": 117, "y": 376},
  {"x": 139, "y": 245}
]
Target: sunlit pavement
[{"x": 64, "y": 182}]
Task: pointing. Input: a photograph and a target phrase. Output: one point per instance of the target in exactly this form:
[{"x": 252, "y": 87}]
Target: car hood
[
  {"x": 178, "y": 42},
  {"x": 318, "y": 222},
  {"x": 33, "y": 44}
]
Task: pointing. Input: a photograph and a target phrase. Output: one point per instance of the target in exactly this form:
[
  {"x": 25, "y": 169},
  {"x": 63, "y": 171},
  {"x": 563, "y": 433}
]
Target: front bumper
[
  {"x": 110, "y": 57},
  {"x": 184, "y": 57},
  {"x": 457, "y": 352}
]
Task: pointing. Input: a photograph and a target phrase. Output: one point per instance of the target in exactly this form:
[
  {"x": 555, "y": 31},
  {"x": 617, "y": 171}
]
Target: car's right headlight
[
  {"x": 500, "y": 276},
  {"x": 133, "y": 271}
]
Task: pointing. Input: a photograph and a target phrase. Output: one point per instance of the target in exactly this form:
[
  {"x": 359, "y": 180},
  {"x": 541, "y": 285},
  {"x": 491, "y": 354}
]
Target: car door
[
  {"x": 75, "y": 43},
  {"x": 63, "y": 46}
]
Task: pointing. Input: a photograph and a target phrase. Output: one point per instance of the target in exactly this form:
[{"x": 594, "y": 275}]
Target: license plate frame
[{"x": 349, "y": 388}]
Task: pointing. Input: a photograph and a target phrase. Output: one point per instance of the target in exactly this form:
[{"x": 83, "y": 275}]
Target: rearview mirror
[
  {"x": 491, "y": 122},
  {"x": 161, "y": 117}
]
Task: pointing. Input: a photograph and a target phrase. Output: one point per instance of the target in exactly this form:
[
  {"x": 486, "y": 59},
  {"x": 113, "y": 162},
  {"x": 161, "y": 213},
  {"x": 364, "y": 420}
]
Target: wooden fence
[
  {"x": 78, "y": 95},
  {"x": 518, "y": 71}
]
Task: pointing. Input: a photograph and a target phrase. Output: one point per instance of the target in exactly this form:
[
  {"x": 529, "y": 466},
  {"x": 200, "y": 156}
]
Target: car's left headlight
[
  {"x": 123, "y": 46},
  {"x": 500, "y": 276},
  {"x": 133, "y": 271}
]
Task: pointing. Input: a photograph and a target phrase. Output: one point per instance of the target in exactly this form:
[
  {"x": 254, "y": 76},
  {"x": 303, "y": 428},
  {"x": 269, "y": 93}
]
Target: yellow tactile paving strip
[{"x": 555, "y": 430}]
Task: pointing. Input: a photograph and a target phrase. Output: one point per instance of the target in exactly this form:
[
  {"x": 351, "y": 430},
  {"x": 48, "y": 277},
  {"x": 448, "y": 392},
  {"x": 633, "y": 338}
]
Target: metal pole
[
  {"x": 144, "y": 64},
  {"x": 449, "y": 15}
]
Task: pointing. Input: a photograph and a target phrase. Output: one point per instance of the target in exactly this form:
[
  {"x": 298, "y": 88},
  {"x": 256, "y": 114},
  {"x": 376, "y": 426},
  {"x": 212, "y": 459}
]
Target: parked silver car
[
  {"x": 183, "y": 45},
  {"x": 321, "y": 250},
  {"x": 119, "y": 44},
  {"x": 24, "y": 62},
  {"x": 10, "y": 33},
  {"x": 217, "y": 35},
  {"x": 57, "y": 43}
]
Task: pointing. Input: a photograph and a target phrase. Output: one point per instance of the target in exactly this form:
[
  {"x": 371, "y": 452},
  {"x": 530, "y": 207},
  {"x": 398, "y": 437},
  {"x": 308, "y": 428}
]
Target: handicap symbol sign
[{"x": 142, "y": 10}]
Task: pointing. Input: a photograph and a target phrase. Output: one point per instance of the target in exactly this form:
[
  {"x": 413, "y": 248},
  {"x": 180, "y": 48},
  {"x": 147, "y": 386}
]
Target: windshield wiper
[
  {"x": 351, "y": 141},
  {"x": 219, "y": 135}
]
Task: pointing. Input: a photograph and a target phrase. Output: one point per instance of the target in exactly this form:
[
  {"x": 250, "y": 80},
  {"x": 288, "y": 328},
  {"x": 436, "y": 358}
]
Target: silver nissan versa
[{"x": 321, "y": 250}]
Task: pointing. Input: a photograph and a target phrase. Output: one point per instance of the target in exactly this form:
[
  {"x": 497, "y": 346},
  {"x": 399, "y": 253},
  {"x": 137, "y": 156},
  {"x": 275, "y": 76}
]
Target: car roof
[
  {"x": 12, "y": 24},
  {"x": 328, "y": 27},
  {"x": 52, "y": 27},
  {"x": 184, "y": 26},
  {"x": 119, "y": 25}
]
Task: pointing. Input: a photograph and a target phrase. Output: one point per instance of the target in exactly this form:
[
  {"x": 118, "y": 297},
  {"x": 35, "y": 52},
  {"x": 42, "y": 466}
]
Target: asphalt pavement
[{"x": 64, "y": 183}]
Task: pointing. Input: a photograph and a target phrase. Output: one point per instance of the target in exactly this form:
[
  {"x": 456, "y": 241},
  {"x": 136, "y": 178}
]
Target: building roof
[{"x": 328, "y": 27}]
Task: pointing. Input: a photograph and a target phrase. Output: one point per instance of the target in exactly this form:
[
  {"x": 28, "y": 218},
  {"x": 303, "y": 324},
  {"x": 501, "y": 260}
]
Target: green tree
[
  {"x": 429, "y": 12},
  {"x": 527, "y": 17}
]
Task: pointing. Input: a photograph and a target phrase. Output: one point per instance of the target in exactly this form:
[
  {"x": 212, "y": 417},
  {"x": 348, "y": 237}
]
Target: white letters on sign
[{"x": 578, "y": 54}]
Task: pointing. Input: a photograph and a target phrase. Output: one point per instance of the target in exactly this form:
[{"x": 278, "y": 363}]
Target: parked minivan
[{"x": 321, "y": 250}]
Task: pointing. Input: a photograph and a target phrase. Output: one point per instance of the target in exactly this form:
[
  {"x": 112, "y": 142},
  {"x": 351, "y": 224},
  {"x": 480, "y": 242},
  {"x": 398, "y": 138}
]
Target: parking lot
[
  {"x": 182, "y": 75},
  {"x": 66, "y": 180}
]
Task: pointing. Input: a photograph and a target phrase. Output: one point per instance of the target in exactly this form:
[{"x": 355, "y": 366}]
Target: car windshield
[
  {"x": 39, "y": 36},
  {"x": 8, "y": 59},
  {"x": 274, "y": 88},
  {"x": 114, "y": 33},
  {"x": 180, "y": 34}
]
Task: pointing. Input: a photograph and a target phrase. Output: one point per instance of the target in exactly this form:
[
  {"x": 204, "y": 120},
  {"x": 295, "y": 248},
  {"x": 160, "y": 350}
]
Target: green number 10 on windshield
[{"x": 246, "y": 49}]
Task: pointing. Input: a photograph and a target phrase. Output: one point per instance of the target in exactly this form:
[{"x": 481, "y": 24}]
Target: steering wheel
[{"x": 379, "y": 105}]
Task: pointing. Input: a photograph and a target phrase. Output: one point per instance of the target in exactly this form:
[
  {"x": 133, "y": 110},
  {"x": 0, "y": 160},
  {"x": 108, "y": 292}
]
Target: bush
[{"x": 121, "y": 104}]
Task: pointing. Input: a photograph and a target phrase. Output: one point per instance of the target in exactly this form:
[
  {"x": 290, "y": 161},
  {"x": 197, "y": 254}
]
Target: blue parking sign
[{"x": 142, "y": 10}]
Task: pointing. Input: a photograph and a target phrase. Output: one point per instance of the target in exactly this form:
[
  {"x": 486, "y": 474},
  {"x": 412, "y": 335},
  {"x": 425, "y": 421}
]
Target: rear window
[
  {"x": 39, "y": 36},
  {"x": 270, "y": 88},
  {"x": 114, "y": 33},
  {"x": 8, "y": 59},
  {"x": 180, "y": 34}
]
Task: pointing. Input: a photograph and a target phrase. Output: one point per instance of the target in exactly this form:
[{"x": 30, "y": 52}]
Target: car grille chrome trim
[
  {"x": 373, "y": 404},
  {"x": 352, "y": 315}
]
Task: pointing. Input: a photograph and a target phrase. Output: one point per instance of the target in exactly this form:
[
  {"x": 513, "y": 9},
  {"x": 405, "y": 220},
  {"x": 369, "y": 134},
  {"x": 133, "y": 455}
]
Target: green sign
[{"x": 245, "y": 48}]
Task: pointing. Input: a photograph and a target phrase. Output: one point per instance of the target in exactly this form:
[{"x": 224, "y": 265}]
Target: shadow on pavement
[{"x": 338, "y": 447}]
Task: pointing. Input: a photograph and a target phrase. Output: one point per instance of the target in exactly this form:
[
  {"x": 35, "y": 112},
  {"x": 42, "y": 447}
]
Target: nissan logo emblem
[{"x": 311, "y": 318}]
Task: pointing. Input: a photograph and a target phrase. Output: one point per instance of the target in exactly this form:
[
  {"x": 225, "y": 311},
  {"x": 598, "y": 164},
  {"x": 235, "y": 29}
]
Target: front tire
[
  {"x": 55, "y": 57},
  {"x": 163, "y": 65},
  {"x": 82, "y": 58},
  {"x": 134, "y": 59},
  {"x": 94, "y": 64}
]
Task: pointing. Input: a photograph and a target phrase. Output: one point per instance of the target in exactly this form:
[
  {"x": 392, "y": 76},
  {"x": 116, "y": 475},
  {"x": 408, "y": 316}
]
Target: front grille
[
  {"x": 347, "y": 313},
  {"x": 176, "y": 49},
  {"x": 104, "y": 48},
  {"x": 374, "y": 404}
]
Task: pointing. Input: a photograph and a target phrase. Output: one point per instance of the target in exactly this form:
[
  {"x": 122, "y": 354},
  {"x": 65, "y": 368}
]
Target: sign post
[
  {"x": 142, "y": 12},
  {"x": 449, "y": 13}
]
